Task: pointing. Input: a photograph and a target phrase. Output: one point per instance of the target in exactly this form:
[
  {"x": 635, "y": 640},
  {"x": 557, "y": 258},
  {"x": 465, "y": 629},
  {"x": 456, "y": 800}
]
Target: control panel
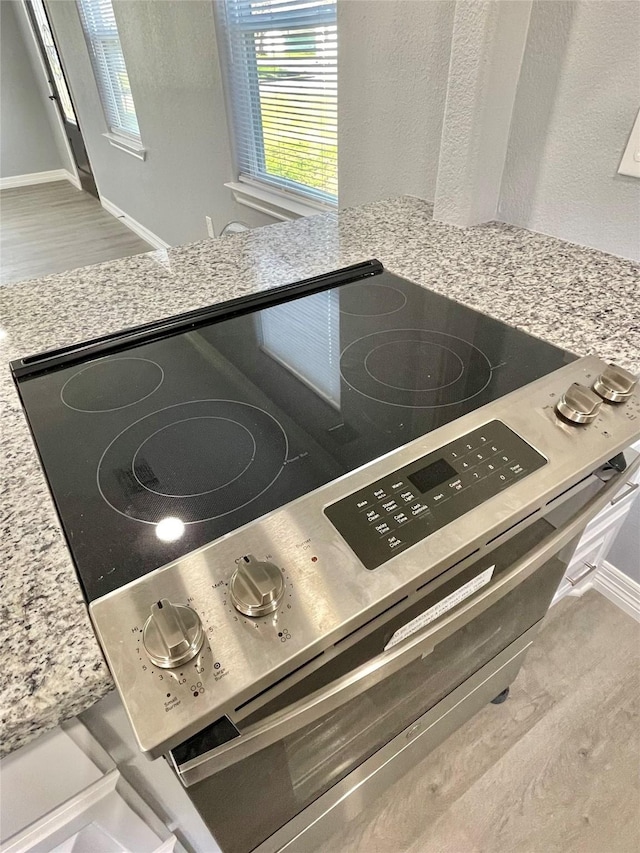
[
  {"x": 180, "y": 650},
  {"x": 581, "y": 405},
  {"x": 413, "y": 502}
]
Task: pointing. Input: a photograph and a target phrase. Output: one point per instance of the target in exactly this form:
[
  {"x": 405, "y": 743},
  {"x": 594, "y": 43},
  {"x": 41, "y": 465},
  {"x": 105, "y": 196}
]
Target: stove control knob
[
  {"x": 615, "y": 384},
  {"x": 257, "y": 587},
  {"x": 172, "y": 635},
  {"x": 579, "y": 404}
]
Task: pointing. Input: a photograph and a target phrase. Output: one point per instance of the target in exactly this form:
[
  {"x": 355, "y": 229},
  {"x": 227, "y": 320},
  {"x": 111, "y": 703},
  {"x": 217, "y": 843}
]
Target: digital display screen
[{"x": 433, "y": 475}]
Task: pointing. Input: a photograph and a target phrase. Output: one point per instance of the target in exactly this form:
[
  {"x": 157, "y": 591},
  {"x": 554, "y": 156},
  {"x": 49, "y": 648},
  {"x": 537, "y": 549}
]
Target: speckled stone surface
[{"x": 577, "y": 298}]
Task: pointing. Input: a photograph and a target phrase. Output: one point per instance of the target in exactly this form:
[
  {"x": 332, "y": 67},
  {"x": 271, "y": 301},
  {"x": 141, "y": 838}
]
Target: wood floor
[
  {"x": 50, "y": 228},
  {"x": 555, "y": 769}
]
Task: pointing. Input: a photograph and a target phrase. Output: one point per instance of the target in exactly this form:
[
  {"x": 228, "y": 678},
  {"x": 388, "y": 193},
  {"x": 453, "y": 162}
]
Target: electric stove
[{"x": 292, "y": 507}]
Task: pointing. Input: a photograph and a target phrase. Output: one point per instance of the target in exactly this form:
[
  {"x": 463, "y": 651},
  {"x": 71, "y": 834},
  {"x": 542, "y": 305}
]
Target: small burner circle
[
  {"x": 393, "y": 364},
  {"x": 415, "y": 368},
  {"x": 369, "y": 299},
  {"x": 111, "y": 384}
]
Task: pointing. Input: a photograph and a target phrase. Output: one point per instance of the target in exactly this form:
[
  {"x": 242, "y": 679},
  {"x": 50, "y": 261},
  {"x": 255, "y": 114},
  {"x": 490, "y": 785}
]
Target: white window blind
[
  {"x": 102, "y": 37},
  {"x": 282, "y": 77}
]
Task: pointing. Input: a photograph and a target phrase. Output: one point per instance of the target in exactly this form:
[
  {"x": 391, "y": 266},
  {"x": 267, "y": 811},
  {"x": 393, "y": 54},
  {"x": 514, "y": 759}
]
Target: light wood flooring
[
  {"x": 50, "y": 228},
  {"x": 555, "y": 769}
]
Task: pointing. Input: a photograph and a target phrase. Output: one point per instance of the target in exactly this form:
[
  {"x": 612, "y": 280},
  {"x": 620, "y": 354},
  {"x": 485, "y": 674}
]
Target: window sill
[
  {"x": 277, "y": 204},
  {"x": 130, "y": 146}
]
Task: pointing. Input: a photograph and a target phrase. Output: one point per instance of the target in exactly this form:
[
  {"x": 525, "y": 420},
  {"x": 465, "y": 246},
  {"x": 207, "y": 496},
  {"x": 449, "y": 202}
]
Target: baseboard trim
[
  {"x": 37, "y": 178},
  {"x": 619, "y": 588},
  {"x": 577, "y": 590},
  {"x": 134, "y": 225},
  {"x": 73, "y": 179}
]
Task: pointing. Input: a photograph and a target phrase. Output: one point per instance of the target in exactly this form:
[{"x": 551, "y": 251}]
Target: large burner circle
[
  {"x": 415, "y": 368},
  {"x": 111, "y": 383},
  {"x": 193, "y": 461}
]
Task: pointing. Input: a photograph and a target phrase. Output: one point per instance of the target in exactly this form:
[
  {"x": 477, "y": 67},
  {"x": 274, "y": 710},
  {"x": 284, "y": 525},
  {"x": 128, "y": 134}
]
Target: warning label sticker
[{"x": 441, "y": 607}]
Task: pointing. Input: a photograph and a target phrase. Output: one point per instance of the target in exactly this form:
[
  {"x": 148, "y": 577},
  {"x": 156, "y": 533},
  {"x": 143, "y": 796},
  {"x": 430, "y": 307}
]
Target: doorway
[{"x": 60, "y": 92}]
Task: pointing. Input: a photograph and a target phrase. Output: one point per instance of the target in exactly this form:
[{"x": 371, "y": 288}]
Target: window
[
  {"x": 102, "y": 37},
  {"x": 282, "y": 79}
]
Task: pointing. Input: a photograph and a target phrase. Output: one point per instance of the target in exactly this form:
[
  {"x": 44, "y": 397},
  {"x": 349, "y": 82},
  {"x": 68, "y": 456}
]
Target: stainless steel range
[{"x": 317, "y": 529}]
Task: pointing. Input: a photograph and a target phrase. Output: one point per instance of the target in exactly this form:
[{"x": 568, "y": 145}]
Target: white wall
[
  {"x": 576, "y": 99},
  {"x": 578, "y": 94},
  {"x": 40, "y": 74},
  {"x": 172, "y": 61},
  {"x": 487, "y": 47},
  {"x": 27, "y": 142},
  {"x": 393, "y": 60}
]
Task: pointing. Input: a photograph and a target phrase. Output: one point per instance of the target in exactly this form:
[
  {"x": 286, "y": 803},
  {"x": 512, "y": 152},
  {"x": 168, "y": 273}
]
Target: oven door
[{"x": 254, "y": 782}]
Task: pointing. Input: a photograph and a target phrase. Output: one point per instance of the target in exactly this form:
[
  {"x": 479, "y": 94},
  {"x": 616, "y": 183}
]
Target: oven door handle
[{"x": 311, "y": 708}]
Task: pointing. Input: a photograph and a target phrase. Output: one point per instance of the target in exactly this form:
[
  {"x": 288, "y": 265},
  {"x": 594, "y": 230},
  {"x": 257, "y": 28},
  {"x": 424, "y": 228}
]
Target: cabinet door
[
  {"x": 56, "y": 799},
  {"x": 598, "y": 538}
]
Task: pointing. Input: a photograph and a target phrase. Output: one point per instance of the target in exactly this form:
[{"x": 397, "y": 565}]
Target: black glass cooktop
[{"x": 158, "y": 442}]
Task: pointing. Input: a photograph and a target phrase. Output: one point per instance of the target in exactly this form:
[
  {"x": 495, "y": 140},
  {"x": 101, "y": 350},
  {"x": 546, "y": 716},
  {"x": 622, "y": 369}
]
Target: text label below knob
[
  {"x": 257, "y": 587},
  {"x": 579, "y": 404},
  {"x": 172, "y": 634},
  {"x": 615, "y": 384}
]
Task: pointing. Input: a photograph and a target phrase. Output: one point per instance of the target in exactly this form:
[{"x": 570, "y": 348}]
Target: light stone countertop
[{"x": 577, "y": 298}]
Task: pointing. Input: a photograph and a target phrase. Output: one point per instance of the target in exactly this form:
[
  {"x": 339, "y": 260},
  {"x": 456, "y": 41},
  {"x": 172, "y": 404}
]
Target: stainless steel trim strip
[{"x": 321, "y": 702}]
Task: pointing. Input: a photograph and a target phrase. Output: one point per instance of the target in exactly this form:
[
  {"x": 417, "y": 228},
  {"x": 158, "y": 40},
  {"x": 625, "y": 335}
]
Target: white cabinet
[
  {"x": 598, "y": 538},
  {"x": 63, "y": 794},
  {"x": 155, "y": 781}
]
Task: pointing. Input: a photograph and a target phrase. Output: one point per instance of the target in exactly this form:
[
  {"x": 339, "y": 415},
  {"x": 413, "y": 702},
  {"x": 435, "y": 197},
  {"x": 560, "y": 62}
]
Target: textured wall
[
  {"x": 575, "y": 105},
  {"x": 486, "y": 54},
  {"x": 393, "y": 61},
  {"x": 27, "y": 142},
  {"x": 172, "y": 60}
]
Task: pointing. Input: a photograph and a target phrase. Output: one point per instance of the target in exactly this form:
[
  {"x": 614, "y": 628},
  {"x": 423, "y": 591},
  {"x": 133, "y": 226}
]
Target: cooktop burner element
[
  {"x": 371, "y": 300},
  {"x": 162, "y": 439},
  {"x": 196, "y": 461},
  {"x": 416, "y": 368},
  {"x": 176, "y": 451},
  {"x": 111, "y": 384}
]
